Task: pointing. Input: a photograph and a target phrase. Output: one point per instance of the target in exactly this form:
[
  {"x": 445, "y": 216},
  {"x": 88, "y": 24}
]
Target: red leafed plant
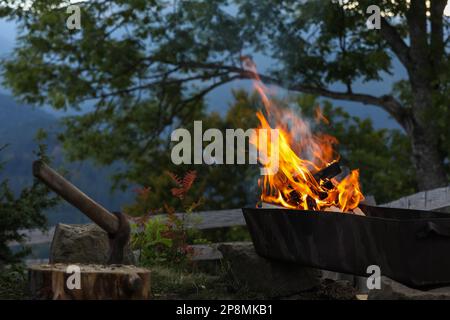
[
  {"x": 183, "y": 185},
  {"x": 166, "y": 239}
]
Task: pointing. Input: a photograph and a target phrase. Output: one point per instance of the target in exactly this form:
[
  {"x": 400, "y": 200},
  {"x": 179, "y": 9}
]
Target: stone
[
  {"x": 393, "y": 290},
  {"x": 82, "y": 243},
  {"x": 359, "y": 283},
  {"x": 328, "y": 290},
  {"x": 267, "y": 277}
]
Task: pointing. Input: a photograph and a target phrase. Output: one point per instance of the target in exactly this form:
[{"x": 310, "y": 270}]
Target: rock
[
  {"x": 267, "y": 277},
  {"x": 337, "y": 290},
  {"x": 328, "y": 290},
  {"x": 82, "y": 243},
  {"x": 392, "y": 290},
  {"x": 359, "y": 283}
]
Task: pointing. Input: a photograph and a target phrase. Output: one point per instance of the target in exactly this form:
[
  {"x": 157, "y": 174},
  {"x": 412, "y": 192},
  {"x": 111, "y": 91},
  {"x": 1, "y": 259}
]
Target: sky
[{"x": 221, "y": 98}]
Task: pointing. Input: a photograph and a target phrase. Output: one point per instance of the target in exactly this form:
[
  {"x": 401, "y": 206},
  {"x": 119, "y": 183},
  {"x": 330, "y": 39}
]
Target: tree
[
  {"x": 24, "y": 211},
  {"x": 381, "y": 154},
  {"x": 130, "y": 52}
]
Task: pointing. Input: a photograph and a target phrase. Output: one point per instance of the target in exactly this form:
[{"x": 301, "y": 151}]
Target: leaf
[
  {"x": 189, "y": 179},
  {"x": 175, "y": 178}
]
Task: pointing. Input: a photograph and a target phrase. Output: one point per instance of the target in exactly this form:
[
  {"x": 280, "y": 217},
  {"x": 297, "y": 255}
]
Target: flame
[{"x": 301, "y": 154}]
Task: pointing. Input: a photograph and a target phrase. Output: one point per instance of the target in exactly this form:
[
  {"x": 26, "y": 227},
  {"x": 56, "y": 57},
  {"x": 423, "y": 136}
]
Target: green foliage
[
  {"x": 151, "y": 242},
  {"x": 153, "y": 78},
  {"x": 166, "y": 241},
  {"x": 25, "y": 211},
  {"x": 18, "y": 127},
  {"x": 147, "y": 164},
  {"x": 13, "y": 283},
  {"x": 167, "y": 51}
]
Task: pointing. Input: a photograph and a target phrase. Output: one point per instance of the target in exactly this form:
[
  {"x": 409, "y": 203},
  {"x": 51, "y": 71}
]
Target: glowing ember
[{"x": 301, "y": 155}]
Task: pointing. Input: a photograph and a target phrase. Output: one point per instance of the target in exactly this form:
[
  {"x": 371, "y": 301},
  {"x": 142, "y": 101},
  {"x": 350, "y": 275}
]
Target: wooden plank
[
  {"x": 200, "y": 220},
  {"x": 212, "y": 219},
  {"x": 435, "y": 199}
]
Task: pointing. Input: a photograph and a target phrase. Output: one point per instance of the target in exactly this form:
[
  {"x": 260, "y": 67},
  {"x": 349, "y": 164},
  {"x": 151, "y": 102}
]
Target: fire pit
[
  {"x": 409, "y": 246},
  {"x": 323, "y": 223}
]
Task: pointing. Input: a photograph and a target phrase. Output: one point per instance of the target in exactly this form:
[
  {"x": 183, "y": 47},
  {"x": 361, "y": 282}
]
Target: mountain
[{"x": 18, "y": 126}]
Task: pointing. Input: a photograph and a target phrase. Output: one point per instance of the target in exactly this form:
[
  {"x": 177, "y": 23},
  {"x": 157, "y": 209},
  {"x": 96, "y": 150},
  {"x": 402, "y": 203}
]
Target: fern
[
  {"x": 178, "y": 181},
  {"x": 166, "y": 241},
  {"x": 189, "y": 179},
  {"x": 183, "y": 185}
]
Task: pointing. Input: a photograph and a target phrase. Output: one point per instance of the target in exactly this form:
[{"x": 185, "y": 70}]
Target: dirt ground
[{"x": 167, "y": 283}]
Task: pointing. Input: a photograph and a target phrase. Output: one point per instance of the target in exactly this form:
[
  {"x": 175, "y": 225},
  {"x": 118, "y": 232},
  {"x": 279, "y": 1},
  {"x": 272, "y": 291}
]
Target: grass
[
  {"x": 166, "y": 283},
  {"x": 170, "y": 283}
]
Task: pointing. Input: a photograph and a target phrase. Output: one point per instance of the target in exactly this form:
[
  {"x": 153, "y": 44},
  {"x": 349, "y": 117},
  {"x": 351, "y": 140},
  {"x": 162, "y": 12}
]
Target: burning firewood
[
  {"x": 266, "y": 205},
  {"x": 358, "y": 212},
  {"x": 333, "y": 209},
  {"x": 328, "y": 172}
]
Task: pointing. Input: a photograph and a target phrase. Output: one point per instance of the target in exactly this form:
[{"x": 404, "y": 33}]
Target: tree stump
[{"x": 88, "y": 282}]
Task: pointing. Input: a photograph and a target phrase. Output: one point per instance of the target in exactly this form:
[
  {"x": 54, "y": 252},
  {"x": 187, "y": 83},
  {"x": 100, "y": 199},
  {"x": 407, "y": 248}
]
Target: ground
[
  {"x": 169, "y": 283},
  {"x": 174, "y": 284}
]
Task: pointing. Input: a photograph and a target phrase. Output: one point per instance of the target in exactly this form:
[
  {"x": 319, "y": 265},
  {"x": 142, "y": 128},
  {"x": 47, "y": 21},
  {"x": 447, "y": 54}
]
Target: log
[
  {"x": 97, "y": 282},
  {"x": 102, "y": 217},
  {"x": 328, "y": 172}
]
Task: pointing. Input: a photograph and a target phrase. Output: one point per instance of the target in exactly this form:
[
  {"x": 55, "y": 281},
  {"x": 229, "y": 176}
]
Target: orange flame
[{"x": 301, "y": 153}]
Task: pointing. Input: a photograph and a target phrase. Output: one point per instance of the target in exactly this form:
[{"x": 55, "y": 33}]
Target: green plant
[
  {"x": 24, "y": 211},
  {"x": 151, "y": 242},
  {"x": 166, "y": 240},
  {"x": 13, "y": 283}
]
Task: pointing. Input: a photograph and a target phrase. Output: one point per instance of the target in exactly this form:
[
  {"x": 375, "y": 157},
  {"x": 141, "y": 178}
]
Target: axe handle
[{"x": 102, "y": 217}]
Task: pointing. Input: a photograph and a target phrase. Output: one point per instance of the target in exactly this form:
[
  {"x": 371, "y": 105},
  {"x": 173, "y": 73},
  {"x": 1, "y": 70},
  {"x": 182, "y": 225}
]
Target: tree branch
[
  {"x": 396, "y": 42},
  {"x": 387, "y": 102}
]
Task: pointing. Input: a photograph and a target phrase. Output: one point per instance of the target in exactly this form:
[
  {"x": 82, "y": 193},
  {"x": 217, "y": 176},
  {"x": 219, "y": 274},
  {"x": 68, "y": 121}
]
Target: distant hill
[{"x": 18, "y": 127}]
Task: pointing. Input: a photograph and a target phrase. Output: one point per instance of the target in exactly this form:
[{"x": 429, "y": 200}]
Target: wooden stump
[{"x": 96, "y": 282}]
